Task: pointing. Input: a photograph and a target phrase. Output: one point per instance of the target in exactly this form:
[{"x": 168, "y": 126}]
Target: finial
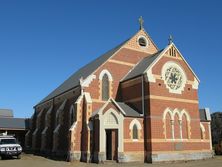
[
  {"x": 170, "y": 39},
  {"x": 141, "y": 21}
]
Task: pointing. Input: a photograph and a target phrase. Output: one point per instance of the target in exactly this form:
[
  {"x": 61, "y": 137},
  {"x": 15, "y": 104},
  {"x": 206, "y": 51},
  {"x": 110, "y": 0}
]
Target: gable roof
[
  {"x": 163, "y": 52},
  {"x": 83, "y": 72},
  {"x": 142, "y": 66},
  {"x": 6, "y": 113},
  {"x": 129, "y": 112},
  {"x": 146, "y": 34},
  {"x": 150, "y": 39},
  {"x": 74, "y": 80},
  {"x": 148, "y": 62},
  {"x": 126, "y": 110}
]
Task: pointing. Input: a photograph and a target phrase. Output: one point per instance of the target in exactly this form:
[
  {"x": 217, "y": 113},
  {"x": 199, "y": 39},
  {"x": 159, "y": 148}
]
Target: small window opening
[
  {"x": 135, "y": 132},
  {"x": 142, "y": 42}
]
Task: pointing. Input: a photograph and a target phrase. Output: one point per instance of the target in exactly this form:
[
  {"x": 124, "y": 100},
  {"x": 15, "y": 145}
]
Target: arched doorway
[{"x": 111, "y": 134}]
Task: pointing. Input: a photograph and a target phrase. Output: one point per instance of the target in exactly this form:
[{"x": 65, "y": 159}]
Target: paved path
[{"x": 37, "y": 161}]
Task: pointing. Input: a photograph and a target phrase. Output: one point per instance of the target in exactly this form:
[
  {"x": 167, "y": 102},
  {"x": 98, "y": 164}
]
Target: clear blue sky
[{"x": 43, "y": 42}]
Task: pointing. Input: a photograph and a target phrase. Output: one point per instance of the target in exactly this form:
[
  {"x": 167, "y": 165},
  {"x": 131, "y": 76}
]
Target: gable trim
[
  {"x": 186, "y": 62},
  {"x": 117, "y": 51},
  {"x": 112, "y": 100},
  {"x": 149, "y": 38},
  {"x": 162, "y": 54},
  {"x": 124, "y": 46},
  {"x": 99, "y": 111}
]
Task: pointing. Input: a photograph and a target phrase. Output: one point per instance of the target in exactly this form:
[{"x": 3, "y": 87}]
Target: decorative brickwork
[{"x": 139, "y": 104}]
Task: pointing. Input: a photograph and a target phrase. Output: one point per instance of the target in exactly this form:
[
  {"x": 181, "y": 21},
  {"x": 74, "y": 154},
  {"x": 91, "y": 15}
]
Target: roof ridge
[{"x": 88, "y": 69}]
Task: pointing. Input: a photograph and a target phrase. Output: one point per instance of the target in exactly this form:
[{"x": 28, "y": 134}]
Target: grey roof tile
[
  {"x": 142, "y": 66},
  {"x": 84, "y": 72},
  {"x": 128, "y": 110},
  {"x": 204, "y": 114}
]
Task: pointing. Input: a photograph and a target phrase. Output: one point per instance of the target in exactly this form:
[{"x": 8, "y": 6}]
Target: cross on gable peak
[
  {"x": 170, "y": 39},
  {"x": 141, "y": 21}
]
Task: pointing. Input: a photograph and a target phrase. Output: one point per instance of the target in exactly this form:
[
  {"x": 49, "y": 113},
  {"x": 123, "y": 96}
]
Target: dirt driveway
[{"x": 37, "y": 161}]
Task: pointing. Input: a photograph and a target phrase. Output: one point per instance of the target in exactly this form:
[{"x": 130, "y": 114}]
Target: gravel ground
[{"x": 29, "y": 160}]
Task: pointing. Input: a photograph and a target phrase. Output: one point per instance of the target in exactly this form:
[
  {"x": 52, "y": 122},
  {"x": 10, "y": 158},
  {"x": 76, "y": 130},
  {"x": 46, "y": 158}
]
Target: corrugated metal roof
[
  {"x": 84, "y": 72},
  {"x": 142, "y": 66},
  {"x": 6, "y": 113},
  {"x": 13, "y": 123},
  {"x": 128, "y": 110}
]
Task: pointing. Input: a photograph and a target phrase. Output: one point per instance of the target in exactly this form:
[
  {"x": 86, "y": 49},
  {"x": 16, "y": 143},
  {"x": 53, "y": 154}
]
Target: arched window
[
  {"x": 135, "y": 129},
  {"x": 105, "y": 87},
  {"x": 135, "y": 132},
  {"x": 176, "y": 127},
  {"x": 184, "y": 127},
  {"x": 168, "y": 126}
]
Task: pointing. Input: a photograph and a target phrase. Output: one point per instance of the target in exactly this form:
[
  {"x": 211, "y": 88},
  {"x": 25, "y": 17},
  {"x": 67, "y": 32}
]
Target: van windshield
[{"x": 8, "y": 141}]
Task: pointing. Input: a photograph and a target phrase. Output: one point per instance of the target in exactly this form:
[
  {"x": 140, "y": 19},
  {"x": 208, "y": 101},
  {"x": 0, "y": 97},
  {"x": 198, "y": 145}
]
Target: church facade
[{"x": 134, "y": 103}]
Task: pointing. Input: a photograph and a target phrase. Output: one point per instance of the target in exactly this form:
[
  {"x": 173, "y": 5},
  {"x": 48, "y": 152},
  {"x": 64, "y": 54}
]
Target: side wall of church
[{"x": 46, "y": 136}]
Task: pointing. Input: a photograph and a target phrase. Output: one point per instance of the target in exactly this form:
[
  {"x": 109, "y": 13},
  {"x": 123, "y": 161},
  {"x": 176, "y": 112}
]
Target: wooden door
[
  {"x": 115, "y": 144},
  {"x": 108, "y": 144},
  {"x": 111, "y": 144}
]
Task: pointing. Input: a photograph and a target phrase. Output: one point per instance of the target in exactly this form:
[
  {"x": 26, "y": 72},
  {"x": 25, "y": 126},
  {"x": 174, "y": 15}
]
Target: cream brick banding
[{"x": 121, "y": 62}]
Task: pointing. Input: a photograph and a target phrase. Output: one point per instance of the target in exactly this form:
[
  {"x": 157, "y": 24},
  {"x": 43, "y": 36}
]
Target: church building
[{"x": 136, "y": 102}]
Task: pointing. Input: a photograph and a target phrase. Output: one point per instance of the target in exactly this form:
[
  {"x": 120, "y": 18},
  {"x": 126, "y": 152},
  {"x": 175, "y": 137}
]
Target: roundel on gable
[{"x": 174, "y": 77}]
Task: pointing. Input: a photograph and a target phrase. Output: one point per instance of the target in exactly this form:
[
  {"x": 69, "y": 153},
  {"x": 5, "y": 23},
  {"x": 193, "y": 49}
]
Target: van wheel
[{"x": 19, "y": 156}]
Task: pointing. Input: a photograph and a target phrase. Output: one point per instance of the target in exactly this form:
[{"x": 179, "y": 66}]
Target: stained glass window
[{"x": 174, "y": 78}]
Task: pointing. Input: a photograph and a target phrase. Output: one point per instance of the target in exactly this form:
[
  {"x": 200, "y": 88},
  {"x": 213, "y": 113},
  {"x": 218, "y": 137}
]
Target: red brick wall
[
  {"x": 130, "y": 144},
  {"x": 158, "y": 106},
  {"x": 172, "y": 146},
  {"x": 118, "y": 71},
  {"x": 129, "y": 56},
  {"x": 184, "y": 127}
]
